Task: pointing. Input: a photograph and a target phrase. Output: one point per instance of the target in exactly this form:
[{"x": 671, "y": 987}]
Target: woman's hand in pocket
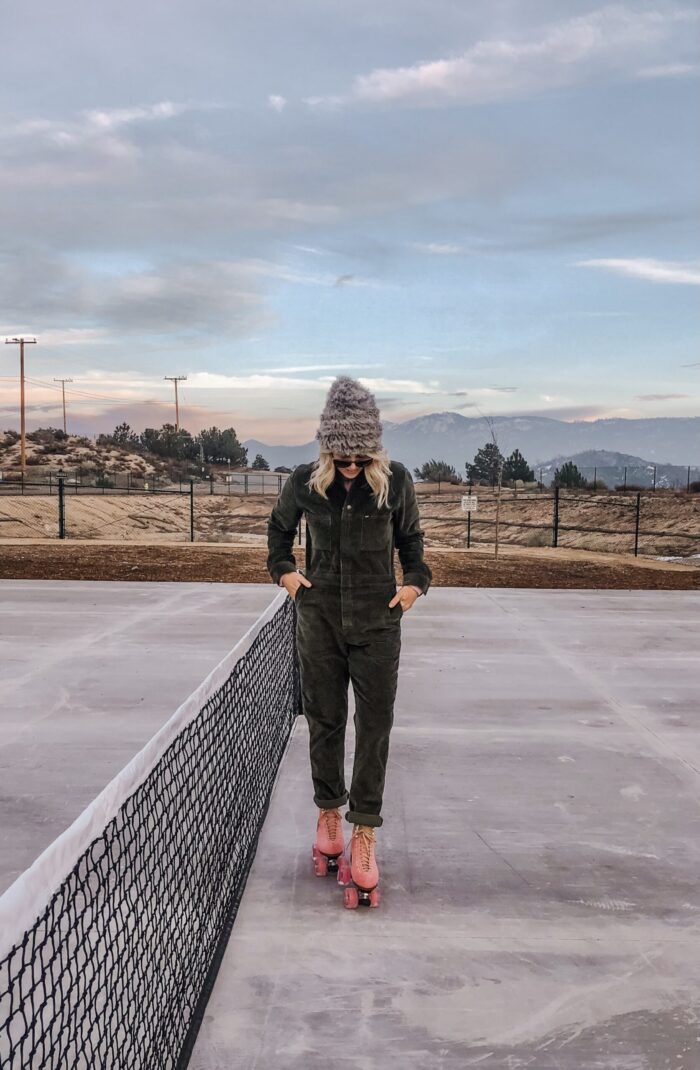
[
  {"x": 406, "y": 596},
  {"x": 292, "y": 581}
]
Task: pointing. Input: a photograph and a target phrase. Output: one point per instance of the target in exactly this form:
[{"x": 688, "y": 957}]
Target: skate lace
[
  {"x": 362, "y": 843},
  {"x": 332, "y": 820}
]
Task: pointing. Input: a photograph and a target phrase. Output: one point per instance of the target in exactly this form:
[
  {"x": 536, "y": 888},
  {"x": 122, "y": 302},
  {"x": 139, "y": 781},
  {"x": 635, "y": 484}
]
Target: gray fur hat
[{"x": 350, "y": 420}]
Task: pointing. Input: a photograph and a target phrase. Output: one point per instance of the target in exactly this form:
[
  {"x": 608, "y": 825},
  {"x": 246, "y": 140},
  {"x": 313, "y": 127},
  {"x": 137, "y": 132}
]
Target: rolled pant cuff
[
  {"x": 356, "y": 818},
  {"x": 331, "y": 804}
]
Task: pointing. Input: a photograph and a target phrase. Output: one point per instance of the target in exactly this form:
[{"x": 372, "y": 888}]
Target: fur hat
[{"x": 350, "y": 420}]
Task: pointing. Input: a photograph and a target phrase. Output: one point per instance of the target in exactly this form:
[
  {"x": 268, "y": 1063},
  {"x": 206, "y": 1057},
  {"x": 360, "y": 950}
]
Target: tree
[
  {"x": 516, "y": 467},
  {"x": 260, "y": 464},
  {"x": 568, "y": 476},
  {"x": 437, "y": 472},
  {"x": 124, "y": 436},
  {"x": 169, "y": 442},
  {"x": 487, "y": 464},
  {"x": 220, "y": 447}
]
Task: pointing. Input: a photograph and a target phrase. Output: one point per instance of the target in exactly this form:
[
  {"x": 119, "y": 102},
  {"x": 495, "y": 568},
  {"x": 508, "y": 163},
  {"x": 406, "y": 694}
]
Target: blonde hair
[{"x": 377, "y": 474}]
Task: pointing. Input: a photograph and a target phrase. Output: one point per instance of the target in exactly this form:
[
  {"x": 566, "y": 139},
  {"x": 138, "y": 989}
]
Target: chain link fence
[{"x": 652, "y": 523}]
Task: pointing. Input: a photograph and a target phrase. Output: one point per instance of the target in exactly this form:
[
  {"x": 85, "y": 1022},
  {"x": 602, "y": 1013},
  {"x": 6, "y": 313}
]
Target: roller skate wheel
[
  {"x": 374, "y": 898},
  {"x": 351, "y": 898},
  {"x": 320, "y": 866},
  {"x": 343, "y": 872}
]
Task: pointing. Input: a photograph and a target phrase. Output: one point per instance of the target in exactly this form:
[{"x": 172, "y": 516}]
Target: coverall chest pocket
[
  {"x": 320, "y": 529},
  {"x": 376, "y": 531}
]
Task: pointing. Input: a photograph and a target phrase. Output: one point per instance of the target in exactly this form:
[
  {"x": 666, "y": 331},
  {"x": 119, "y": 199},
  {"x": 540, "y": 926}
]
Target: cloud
[
  {"x": 277, "y": 104},
  {"x": 573, "y": 51},
  {"x": 403, "y": 386},
  {"x": 670, "y": 70},
  {"x": 95, "y": 127},
  {"x": 570, "y": 413},
  {"x": 488, "y": 391},
  {"x": 340, "y": 368},
  {"x": 437, "y": 248},
  {"x": 659, "y": 397},
  {"x": 562, "y": 230},
  {"x": 175, "y": 298},
  {"x": 661, "y": 271}
]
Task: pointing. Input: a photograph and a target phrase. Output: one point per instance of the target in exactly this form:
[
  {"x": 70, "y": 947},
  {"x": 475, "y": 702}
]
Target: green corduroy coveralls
[{"x": 345, "y": 629}]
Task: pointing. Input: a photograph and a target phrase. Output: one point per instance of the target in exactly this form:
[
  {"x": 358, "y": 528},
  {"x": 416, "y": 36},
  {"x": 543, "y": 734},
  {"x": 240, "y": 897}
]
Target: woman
[{"x": 358, "y": 505}]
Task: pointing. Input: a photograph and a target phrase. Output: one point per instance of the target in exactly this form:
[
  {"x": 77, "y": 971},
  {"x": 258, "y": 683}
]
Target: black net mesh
[{"x": 116, "y": 971}]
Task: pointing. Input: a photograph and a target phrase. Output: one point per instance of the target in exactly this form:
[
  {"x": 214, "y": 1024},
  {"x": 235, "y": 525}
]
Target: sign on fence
[{"x": 469, "y": 502}]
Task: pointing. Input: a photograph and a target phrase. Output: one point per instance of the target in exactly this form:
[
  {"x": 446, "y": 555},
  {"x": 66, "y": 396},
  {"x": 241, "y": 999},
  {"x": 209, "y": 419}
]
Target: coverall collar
[{"x": 360, "y": 490}]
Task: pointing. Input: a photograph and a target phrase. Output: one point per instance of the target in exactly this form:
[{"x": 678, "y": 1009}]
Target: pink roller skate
[
  {"x": 360, "y": 875},
  {"x": 329, "y": 843}
]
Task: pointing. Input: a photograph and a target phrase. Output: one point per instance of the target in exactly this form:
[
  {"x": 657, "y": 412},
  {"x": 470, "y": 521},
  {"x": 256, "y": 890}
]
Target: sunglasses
[{"x": 361, "y": 462}]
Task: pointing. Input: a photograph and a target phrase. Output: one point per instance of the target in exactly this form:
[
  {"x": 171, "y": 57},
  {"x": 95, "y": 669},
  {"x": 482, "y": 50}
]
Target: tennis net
[{"x": 110, "y": 942}]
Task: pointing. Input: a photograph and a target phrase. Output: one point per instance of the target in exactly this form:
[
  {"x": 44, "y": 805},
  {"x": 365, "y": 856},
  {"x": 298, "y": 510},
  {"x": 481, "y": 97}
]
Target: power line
[{"x": 97, "y": 397}]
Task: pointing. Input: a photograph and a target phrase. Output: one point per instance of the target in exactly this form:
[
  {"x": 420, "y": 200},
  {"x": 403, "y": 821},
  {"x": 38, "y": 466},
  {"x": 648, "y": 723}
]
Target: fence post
[
  {"x": 688, "y": 485},
  {"x": 211, "y": 483},
  {"x": 654, "y": 487},
  {"x": 61, "y": 508},
  {"x": 625, "y": 483},
  {"x": 595, "y": 479},
  {"x": 191, "y": 510},
  {"x": 636, "y": 525},
  {"x": 555, "y": 520},
  {"x": 469, "y": 530}
]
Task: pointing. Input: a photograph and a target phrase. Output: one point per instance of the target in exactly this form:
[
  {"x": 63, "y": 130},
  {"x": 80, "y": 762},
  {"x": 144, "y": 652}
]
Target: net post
[{"x": 61, "y": 508}]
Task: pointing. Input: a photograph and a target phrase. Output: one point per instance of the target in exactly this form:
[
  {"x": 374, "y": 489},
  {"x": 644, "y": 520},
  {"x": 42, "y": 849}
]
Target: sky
[{"x": 484, "y": 208}]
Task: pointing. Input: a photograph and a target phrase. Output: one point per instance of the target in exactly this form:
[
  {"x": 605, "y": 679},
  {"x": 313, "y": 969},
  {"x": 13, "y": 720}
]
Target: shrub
[{"x": 538, "y": 538}]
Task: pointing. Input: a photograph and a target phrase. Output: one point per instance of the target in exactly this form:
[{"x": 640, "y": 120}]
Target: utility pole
[
  {"x": 175, "y": 379},
  {"x": 63, "y": 392},
  {"x": 21, "y": 341}
]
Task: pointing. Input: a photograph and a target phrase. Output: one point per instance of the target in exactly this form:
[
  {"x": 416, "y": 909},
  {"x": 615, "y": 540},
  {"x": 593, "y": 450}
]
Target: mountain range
[{"x": 455, "y": 439}]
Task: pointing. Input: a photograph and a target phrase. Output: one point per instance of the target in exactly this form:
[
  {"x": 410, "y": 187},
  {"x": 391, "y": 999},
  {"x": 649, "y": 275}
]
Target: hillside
[
  {"x": 612, "y": 469},
  {"x": 71, "y": 454}
]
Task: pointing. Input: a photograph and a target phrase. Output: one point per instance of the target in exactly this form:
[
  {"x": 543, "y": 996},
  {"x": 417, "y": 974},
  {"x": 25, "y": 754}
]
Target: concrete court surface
[
  {"x": 540, "y": 857},
  {"x": 88, "y": 674}
]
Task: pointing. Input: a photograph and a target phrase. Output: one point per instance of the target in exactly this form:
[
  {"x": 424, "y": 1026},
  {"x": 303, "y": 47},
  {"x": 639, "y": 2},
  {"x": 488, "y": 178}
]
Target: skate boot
[
  {"x": 360, "y": 874},
  {"x": 329, "y": 843}
]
